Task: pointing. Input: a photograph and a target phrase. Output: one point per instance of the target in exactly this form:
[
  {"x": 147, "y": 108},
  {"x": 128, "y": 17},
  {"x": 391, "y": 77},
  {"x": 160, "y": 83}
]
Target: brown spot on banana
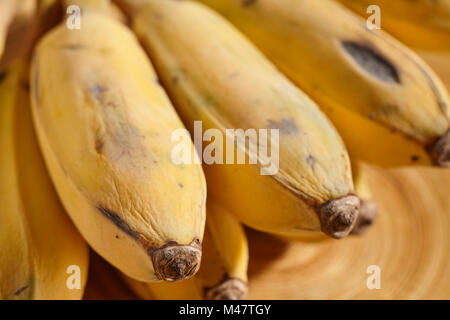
[
  {"x": 286, "y": 126},
  {"x": 440, "y": 150},
  {"x": 311, "y": 161},
  {"x": 2, "y": 76},
  {"x": 97, "y": 91},
  {"x": 371, "y": 61},
  {"x": 99, "y": 143},
  {"x": 368, "y": 212},
  {"x": 73, "y": 47},
  {"x": 338, "y": 216},
  {"x": 20, "y": 290},
  {"x": 247, "y": 3},
  {"x": 228, "y": 289},
  {"x": 114, "y": 135},
  {"x": 379, "y": 66},
  {"x": 174, "y": 262},
  {"x": 118, "y": 221}
]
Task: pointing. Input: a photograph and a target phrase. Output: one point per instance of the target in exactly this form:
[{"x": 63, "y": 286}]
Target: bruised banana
[
  {"x": 40, "y": 247},
  {"x": 387, "y": 104},
  {"x": 223, "y": 272},
  {"x": 419, "y": 24},
  {"x": 422, "y": 25},
  {"x": 216, "y": 76},
  {"x": 104, "y": 125}
]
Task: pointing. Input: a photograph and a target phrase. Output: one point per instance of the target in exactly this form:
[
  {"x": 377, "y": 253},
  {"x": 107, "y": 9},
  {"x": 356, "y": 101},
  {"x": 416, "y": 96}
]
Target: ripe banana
[
  {"x": 419, "y": 24},
  {"x": 422, "y": 25},
  {"x": 439, "y": 61},
  {"x": 368, "y": 210},
  {"x": 104, "y": 124},
  {"x": 17, "y": 29},
  {"x": 8, "y": 9},
  {"x": 217, "y": 76},
  {"x": 38, "y": 242},
  {"x": 387, "y": 104},
  {"x": 104, "y": 282},
  {"x": 223, "y": 272}
]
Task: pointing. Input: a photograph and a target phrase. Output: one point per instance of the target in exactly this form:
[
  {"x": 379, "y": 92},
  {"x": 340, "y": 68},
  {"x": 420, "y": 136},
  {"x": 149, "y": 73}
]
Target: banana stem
[
  {"x": 338, "y": 216},
  {"x": 174, "y": 262},
  {"x": 229, "y": 289},
  {"x": 440, "y": 151},
  {"x": 368, "y": 212}
]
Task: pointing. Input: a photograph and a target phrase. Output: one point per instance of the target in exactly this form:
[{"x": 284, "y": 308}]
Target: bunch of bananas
[{"x": 96, "y": 113}]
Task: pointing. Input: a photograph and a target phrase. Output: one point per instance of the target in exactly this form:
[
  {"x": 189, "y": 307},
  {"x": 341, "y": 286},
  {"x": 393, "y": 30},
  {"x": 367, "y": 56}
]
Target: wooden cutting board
[{"x": 409, "y": 243}]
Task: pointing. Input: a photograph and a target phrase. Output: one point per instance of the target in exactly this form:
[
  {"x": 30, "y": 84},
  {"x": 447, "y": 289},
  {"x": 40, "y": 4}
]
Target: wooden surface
[{"x": 410, "y": 243}]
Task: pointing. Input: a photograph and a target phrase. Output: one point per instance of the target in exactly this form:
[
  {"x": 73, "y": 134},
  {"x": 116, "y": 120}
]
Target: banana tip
[
  {"x": 338, "y": 216},
  {"x": 229, "y": 289},
  {"x": 174, "y": 262},
  {"x": 368, "y": 212},
  {"x": 440, "y": 150}
]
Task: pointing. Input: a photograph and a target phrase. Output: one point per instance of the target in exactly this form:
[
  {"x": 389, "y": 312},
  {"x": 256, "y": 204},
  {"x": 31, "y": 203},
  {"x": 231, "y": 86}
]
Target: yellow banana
[
  {"x": 104, "y": 124},
  {"x": 50, "y": 12},
  {"x": 387, "y": 104},
  {"x": 38, "y": 242},
  {"x": 420, "y": 24},
  {"x": 8, "y": 9},
  {"x": 215, "y": 75},
  {"x": 368, "y": 210},
  {"x": 223, "y": 272},
  {"x": 17, "y": 29},
  {"x": 439, "y": 61}
]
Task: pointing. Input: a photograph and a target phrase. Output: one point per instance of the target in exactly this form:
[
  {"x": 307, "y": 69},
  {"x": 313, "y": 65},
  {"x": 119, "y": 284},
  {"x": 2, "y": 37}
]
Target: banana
[
  {"x": 8, "y": 9},
  {"x": 439, "y": 61},
  {"x": 38, "y": 242},
  {"x": 388, "y": 105},
  {"x": 423, "y": 25},
  {"x": 50, "y": 12},
  {"x": 419, "y": 24},
  {"x": 218, "y": 77},
  {"x": 368, "y": 211},
  {"x": 104, "y": 282},
  {"x": 104, "y": 124},
  {"x": 223, "y": 272},
  {"x": 17, "y": 28}
]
